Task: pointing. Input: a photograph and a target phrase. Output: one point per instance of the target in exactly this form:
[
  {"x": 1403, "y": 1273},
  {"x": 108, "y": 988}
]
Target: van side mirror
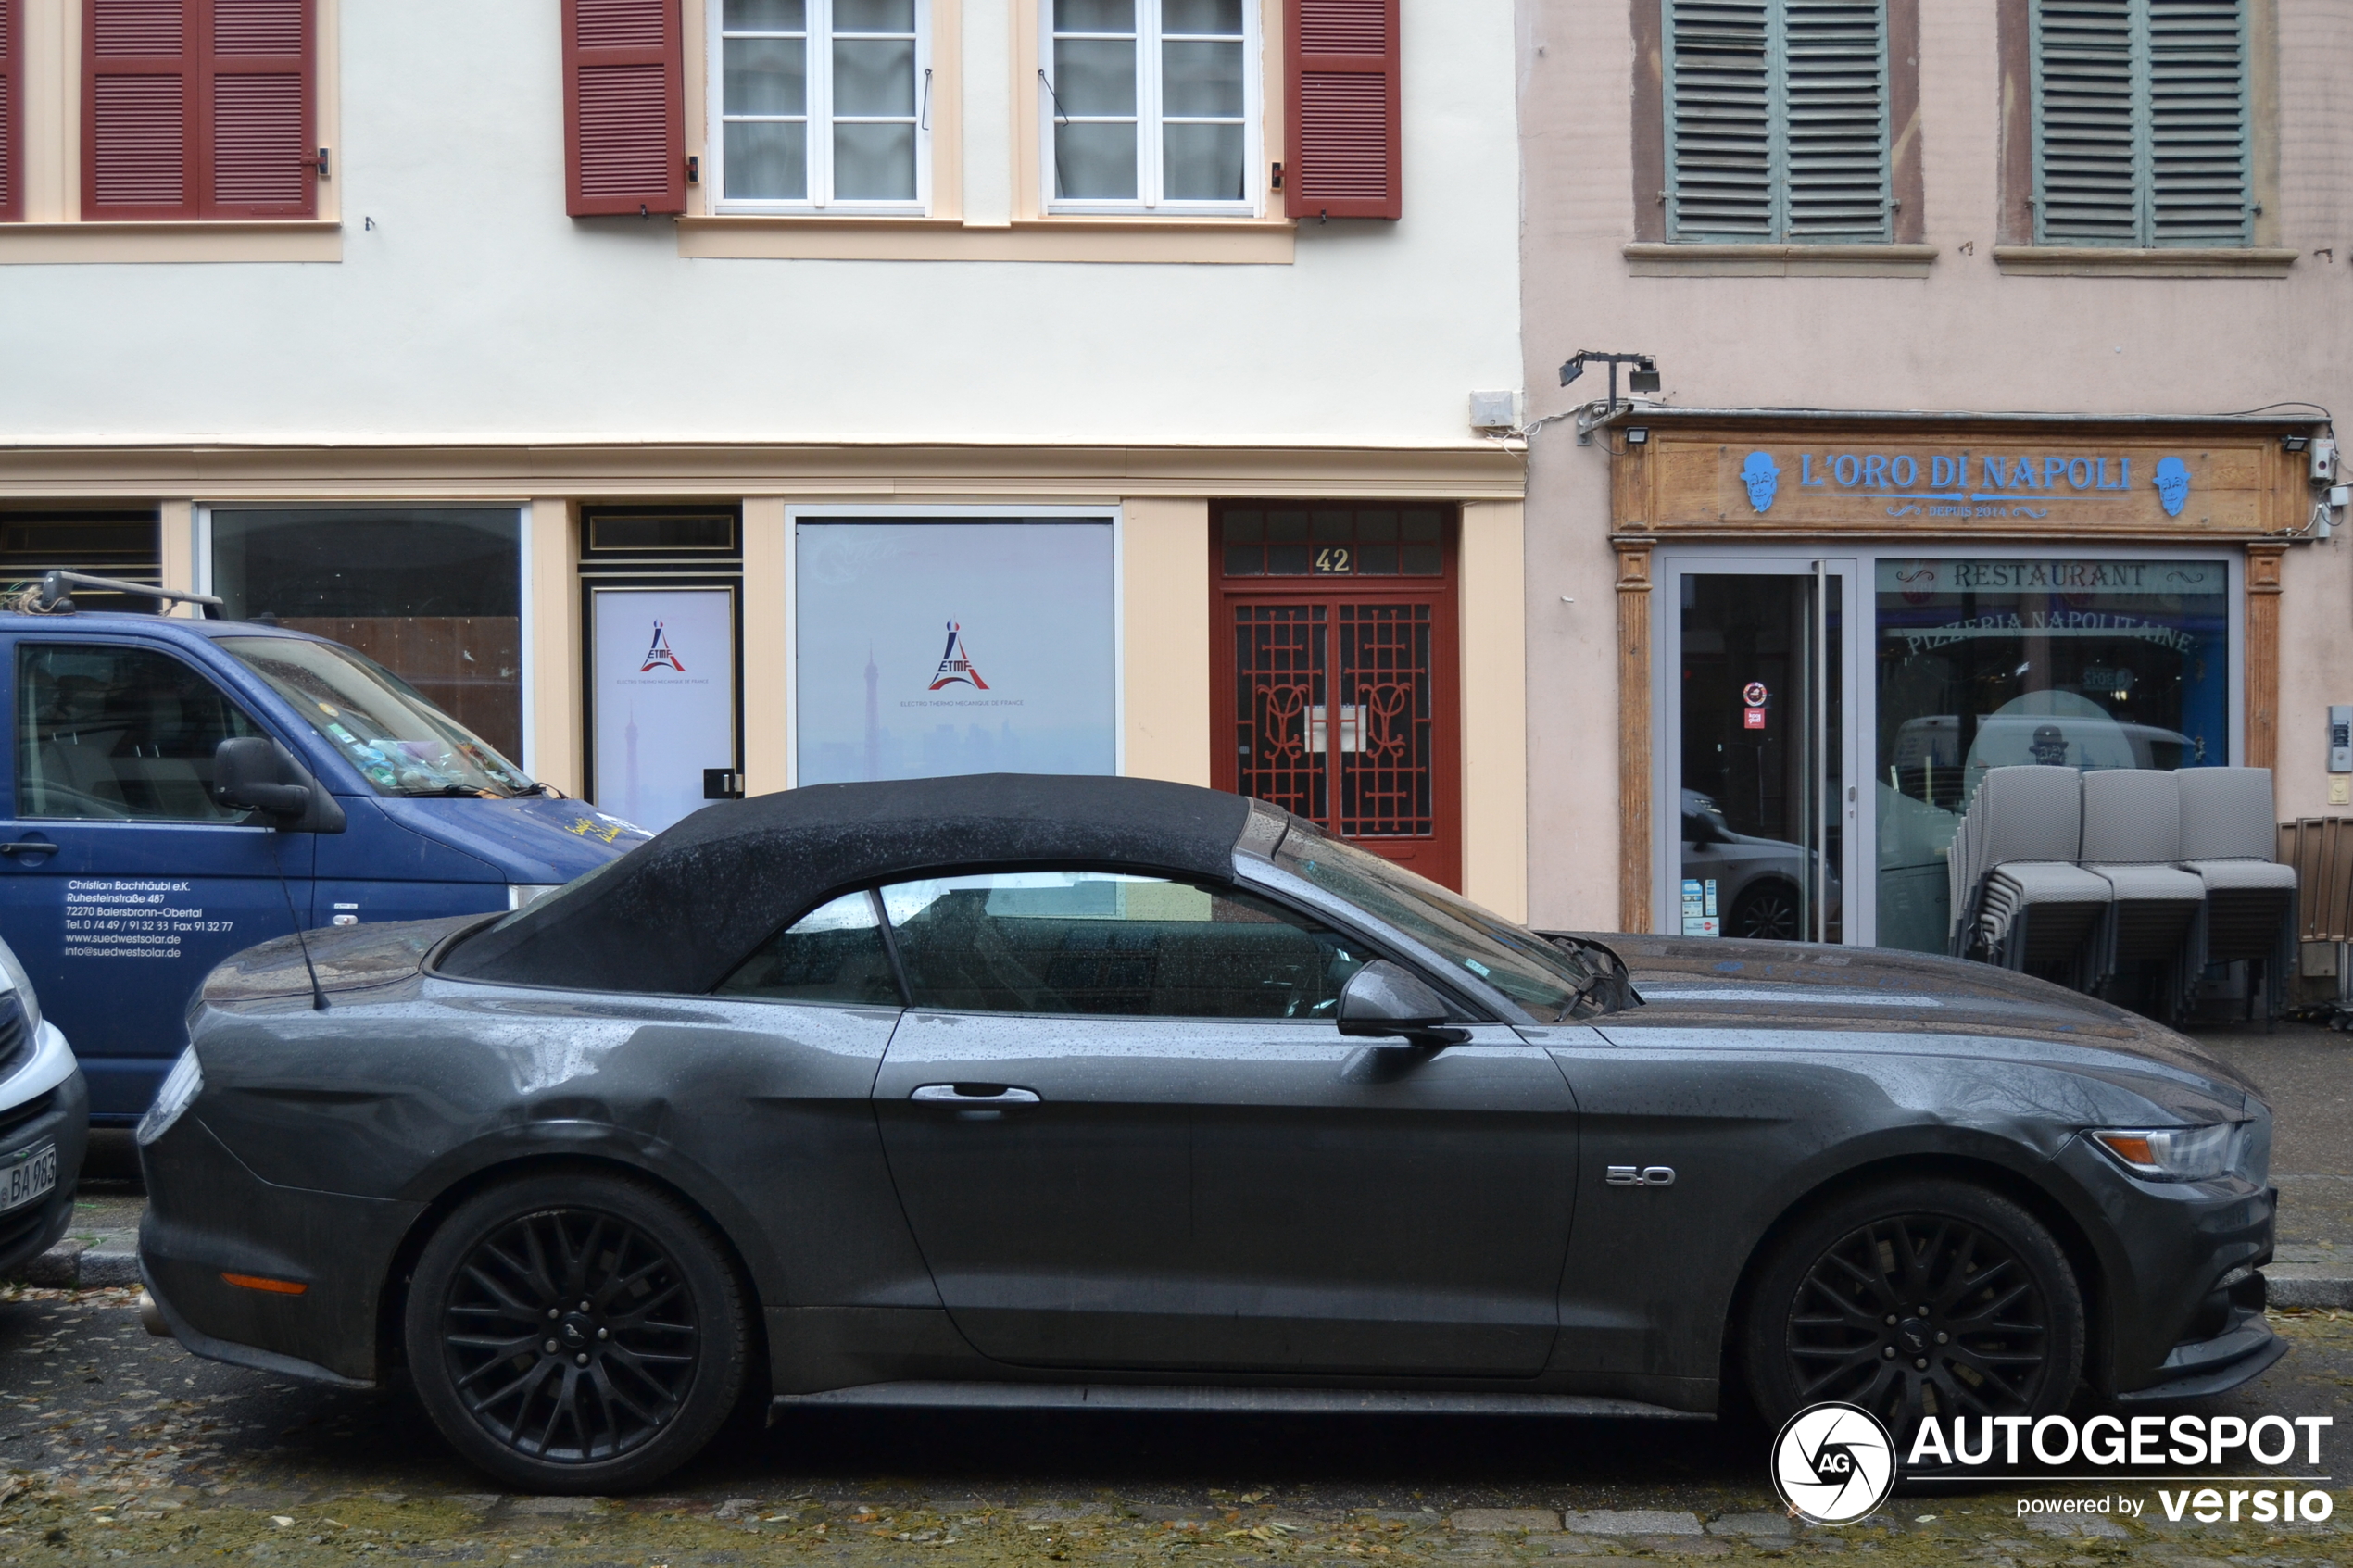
[
  {"x": 1384, "y": 1000},
  {"x": 251, "y": 774}
]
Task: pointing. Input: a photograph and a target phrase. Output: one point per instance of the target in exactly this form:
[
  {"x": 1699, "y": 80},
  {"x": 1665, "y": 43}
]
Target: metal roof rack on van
[{"x": 52, "y": 596}]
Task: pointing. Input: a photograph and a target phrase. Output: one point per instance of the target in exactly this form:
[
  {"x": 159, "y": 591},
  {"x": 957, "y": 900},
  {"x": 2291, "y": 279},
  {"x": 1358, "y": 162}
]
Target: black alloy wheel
[
  {"x": 575, "y": 1333},
  {"x": 1766, "y": 912},
  {"x": 1920, "y": 1298}
]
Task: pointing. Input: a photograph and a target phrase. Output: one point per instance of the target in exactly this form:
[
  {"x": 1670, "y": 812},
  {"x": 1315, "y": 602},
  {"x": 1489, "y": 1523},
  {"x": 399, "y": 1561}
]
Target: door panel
[
  {"x": 149, "y": 884},
  {"x": 1211, "y": 1195}
]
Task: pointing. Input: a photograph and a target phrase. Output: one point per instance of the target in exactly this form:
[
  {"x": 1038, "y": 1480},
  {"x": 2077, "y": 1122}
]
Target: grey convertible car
[{"x": 1043, "y": 1090}]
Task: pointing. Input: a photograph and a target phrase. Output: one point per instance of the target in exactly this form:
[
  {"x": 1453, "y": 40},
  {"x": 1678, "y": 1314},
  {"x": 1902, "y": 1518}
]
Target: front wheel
[
  {"x": 573, "y": 1333},
  {"x": 1917, "y": 1298}
]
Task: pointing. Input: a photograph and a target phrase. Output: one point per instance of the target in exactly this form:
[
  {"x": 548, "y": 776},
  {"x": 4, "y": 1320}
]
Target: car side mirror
[
  {"x": 251, "y": 774},
  {"x": 1384, "y": 1000}
]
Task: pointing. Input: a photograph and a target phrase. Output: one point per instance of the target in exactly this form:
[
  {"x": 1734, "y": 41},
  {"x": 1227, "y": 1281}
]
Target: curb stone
[{"x": 77, "y": 1265}]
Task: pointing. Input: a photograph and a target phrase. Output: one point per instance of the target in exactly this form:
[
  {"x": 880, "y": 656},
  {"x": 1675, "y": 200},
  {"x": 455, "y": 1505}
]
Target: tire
[
  {"x": 1845, "y": 1288},
  {"x": 1766, "y": 912},
  {"x": 637, "y": 1382}
]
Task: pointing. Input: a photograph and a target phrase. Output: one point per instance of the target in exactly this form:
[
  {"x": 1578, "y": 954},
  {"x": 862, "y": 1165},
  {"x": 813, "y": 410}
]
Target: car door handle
[
  {"x": 29, "y": 846},
  {"x": 974, "y": 1095}
]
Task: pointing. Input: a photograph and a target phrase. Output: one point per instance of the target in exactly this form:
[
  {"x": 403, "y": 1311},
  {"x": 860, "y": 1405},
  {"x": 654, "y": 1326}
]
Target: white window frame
[
  {"x": 1150, "y": 165},
  {"x": 819, "y": 115}
]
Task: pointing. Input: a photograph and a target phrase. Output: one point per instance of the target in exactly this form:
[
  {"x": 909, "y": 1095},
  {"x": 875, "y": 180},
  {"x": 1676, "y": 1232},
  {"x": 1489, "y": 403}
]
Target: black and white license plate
[{"x": 31, "y": 1177}]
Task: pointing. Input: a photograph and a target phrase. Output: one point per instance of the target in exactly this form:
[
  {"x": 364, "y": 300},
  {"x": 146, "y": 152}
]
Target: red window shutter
[
  {"x": 139, "y": 85},
  {"x": 624, "y": 108},
  {"x": 262, "y": 161},
  {"x": 1340, "y": 131},
  {"x": 198, "y": 108},
  {"x": 11, "y": 109}
]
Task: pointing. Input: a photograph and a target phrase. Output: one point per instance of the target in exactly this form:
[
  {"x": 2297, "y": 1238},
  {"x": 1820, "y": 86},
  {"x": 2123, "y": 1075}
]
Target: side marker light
[{"x": 274, "y": 1286}]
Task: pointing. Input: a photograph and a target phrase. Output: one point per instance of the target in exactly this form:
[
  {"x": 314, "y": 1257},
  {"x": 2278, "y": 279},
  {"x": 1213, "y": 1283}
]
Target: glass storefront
[
  {"x": 1810, "y": 784},
  {"x": 1991, "y": 661},
  {"x": 432, "y": 593}
]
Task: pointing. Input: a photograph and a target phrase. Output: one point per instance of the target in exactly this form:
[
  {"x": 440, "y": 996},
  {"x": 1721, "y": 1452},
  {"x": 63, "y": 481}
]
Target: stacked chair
[
  {"x": 2228, "y": 839},
  {"x": 2087, "y": 878}
]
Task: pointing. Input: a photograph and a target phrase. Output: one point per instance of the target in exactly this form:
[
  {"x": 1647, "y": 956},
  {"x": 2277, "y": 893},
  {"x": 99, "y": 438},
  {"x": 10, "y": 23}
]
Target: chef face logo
[
  {"x": 2173, "y": 484},
  {"x": 1833, "y": 1464},
  {"x": 658, "y": 653},
  {"x": 1762, "y": 479},
  {"x": 956, "y": 664}
]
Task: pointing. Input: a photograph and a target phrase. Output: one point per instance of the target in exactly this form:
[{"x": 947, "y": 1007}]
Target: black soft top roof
[{"x": 677, "y": 914}]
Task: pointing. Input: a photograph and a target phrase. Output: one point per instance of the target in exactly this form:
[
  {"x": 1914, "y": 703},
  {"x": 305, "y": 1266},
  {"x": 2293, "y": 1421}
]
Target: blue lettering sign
[
  {"x": 1805, "y": 470},
  {"x": 1845, "y": 468},
  {"x": 1905, "y": 472},
  {"x": 1874, "y": 470}
]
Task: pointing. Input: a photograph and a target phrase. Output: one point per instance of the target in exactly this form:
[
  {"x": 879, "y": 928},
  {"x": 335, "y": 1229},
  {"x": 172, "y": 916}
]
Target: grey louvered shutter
[
  {"x": 2197, "y": 123},
  {"x": 2139, "y": 122},
  {"x": 1836, "y": 82},
  {"x": 1719, "y": 120},
  {"x": 1777, "y": 119}
]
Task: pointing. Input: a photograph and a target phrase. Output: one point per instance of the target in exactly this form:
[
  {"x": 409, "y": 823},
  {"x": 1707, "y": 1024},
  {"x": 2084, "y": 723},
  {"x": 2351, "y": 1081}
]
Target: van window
[{"x": 114, "y": 732}]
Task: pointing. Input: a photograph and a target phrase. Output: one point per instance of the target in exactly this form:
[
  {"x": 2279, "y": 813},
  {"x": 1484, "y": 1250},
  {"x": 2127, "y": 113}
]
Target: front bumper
[
  {"x": 2182, "y": 1304},
  {"x": 58, "y": 1113}
]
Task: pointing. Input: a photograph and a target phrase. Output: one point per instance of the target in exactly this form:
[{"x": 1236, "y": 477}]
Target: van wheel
[
  {"x": 575, "y": 1333},
  {"x": 1915, "y": 1299}
]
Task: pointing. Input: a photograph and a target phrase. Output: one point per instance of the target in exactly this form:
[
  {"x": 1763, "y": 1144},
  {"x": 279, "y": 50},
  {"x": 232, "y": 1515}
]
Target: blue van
[{"x": 124, "y": 876}]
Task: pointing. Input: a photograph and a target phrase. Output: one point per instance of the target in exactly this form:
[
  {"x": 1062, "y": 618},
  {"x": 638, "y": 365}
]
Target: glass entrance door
[{"x": 1757, "y": 822}]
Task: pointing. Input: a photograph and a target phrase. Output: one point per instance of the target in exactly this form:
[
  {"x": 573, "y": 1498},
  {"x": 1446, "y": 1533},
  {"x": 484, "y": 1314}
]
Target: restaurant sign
[{"x": 2123, "y": 484}]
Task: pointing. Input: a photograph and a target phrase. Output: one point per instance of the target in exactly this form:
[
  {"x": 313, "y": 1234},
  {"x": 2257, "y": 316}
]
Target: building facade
[
  {"x": 1994, "y": 348},
  {"x": 710, "y": 395}
]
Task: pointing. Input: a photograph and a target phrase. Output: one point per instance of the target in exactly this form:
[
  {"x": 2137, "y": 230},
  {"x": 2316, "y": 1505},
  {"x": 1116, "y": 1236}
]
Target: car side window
[
  {"x": 1101, "y": 942},
  {"x": 835, "y": 953},
  {"x": 113, "y": 732}
]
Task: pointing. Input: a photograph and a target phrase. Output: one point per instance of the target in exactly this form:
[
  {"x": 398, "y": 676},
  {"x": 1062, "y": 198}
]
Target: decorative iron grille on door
[{"x": 1337, "y": 692}]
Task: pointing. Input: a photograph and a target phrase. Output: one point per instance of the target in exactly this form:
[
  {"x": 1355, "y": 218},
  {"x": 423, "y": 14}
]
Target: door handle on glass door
[{"x": 974, "y": 1095}]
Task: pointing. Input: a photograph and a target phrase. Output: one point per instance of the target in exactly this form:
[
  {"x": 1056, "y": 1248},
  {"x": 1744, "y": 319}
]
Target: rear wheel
[
  {"x": 1767, "y": 912},
  {"x": 575, "y": 1333},
  {"x": 1917, "y": 1298}
]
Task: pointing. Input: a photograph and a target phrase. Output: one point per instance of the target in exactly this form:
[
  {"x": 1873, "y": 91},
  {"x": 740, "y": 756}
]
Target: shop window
[
  {"x": 822, "y": 103},
  {"x": 2141, "y": 123},
  {"x": 432, "y": 593},
  {"x": 126, "y": 546},
  {"x": 1991, "y": 663},
  {"x": 1777, "y": 120},
  {"x": 1149, "y": 104}
]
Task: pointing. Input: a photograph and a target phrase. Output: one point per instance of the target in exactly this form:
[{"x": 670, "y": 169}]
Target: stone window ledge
[
  {"x": 194, "y": 240},
  {"x": 1779, "y": 261},
  {"x": 2105, "y": 261},
  {"x": 1141, "y": 240}
]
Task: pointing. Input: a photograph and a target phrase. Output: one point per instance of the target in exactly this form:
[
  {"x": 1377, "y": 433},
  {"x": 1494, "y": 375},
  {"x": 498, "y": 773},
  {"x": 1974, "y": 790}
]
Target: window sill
[
  {"x": 2103, "y": 261},
  {"x": 1255, "y": 241},
  {"x": 197, "y": 240},
  {"x": 1779, "y": 261}
]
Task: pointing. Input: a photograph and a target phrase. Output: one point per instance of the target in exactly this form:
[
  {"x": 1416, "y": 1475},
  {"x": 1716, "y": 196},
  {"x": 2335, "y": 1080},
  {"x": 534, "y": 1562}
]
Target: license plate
[{"x": 30, "y": 1178}]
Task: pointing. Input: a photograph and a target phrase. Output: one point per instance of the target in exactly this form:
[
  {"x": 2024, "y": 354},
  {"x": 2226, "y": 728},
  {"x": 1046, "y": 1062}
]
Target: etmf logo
[
  {"x": 956, "y": 663},
  {"x": 1833, "y": 1464}
]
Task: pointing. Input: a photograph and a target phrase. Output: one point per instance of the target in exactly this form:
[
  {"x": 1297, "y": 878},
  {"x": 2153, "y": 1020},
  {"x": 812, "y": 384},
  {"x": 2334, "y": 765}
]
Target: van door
[{"x": 121, "y": 883}]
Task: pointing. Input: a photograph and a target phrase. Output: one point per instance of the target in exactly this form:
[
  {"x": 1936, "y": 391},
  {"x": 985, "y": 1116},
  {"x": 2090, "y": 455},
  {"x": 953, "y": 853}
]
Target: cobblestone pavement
[{"x": 117, "y": 1446}]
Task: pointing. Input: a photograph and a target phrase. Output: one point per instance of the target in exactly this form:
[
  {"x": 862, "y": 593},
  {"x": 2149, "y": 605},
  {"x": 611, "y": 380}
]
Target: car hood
[
  {"x": 532, "y": 839},
  {"x": 1725, "y": 982}
]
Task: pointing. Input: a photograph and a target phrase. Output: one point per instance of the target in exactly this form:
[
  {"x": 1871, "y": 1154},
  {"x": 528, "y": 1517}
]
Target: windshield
[
  {"x": 402, "y": 743},
  {"x": 1542, "y": 978}
]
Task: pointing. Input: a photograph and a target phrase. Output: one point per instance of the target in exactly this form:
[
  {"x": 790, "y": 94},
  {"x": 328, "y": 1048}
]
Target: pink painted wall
[{"x": 1965, "y": 337}]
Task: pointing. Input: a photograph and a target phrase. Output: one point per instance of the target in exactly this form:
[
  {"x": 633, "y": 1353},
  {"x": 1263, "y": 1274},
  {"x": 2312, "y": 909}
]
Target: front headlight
[
  {"x": 21, "y": 983},
  {"x": 2184, "y": 1154},
  {"x": 180, "y": 1086}
]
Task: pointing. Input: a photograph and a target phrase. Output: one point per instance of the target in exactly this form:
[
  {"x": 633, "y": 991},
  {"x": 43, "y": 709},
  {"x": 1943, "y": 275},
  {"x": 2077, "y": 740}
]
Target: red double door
[{"x": 1336, "y": 691}]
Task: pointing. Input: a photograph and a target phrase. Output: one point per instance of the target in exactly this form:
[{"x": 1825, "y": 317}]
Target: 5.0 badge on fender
[{"x": 1833, "y": 1464}]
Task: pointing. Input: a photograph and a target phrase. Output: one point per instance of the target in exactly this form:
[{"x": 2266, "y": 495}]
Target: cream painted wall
[
  {"x": 1495, "y": 706},
  {"x": 1164, "y": 639},
  {"x": 468, "y": 307},
  {"x": 554, "y": 676},
  {"x": 767, "y": 646},
  {"x": 1965, "y": 337}
]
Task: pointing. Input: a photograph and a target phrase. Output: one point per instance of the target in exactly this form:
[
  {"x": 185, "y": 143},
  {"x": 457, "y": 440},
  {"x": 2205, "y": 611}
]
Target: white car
[{"x": 45, "y": 1123}]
